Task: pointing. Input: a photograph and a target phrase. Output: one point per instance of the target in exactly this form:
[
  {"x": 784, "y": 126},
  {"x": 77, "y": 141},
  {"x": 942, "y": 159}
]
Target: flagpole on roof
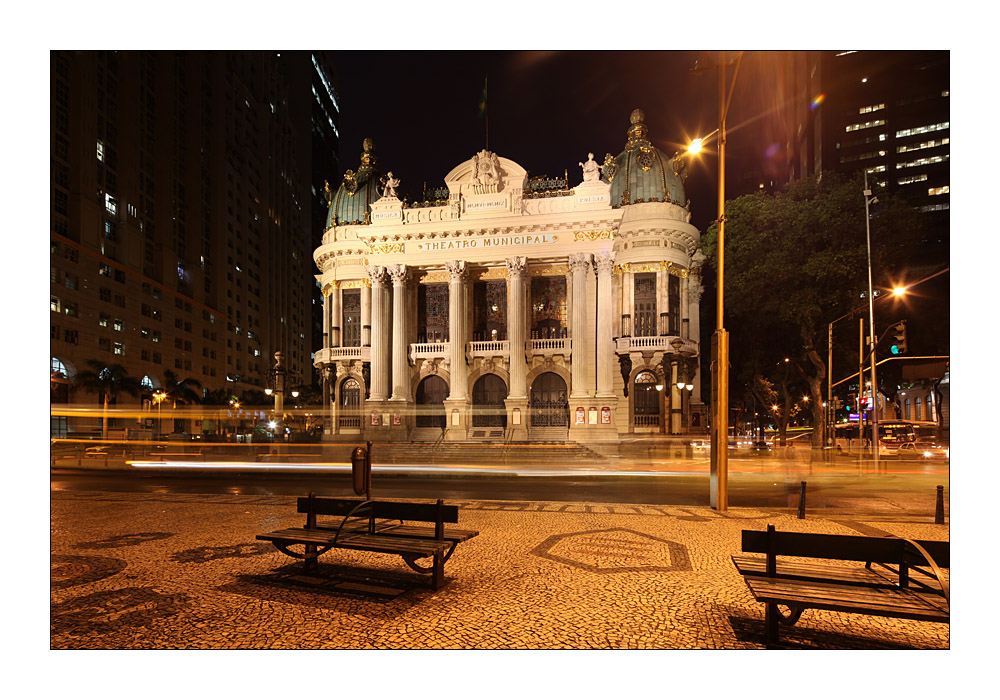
[{"x": 486, "y": 108}]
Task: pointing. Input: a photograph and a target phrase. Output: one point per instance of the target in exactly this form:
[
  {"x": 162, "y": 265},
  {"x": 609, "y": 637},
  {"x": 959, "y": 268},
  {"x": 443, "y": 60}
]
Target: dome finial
[{"x": 637, "y": 117}]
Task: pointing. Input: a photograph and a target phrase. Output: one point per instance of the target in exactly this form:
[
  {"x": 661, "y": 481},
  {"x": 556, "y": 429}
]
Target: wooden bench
[
  {"x": 375, "y": 526},
  {"x": 900, "y": 578}
]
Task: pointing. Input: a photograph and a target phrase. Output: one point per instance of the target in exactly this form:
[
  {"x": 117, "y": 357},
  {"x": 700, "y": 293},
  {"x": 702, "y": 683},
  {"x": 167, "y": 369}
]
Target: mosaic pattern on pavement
[{"x": 151, "y": 571}]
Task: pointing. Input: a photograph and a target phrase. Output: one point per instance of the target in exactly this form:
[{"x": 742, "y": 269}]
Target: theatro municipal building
[{"x": 512, "y": 308}]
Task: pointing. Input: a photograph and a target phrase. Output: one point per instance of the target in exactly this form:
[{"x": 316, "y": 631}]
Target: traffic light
[{"x": 899, "y": 334}]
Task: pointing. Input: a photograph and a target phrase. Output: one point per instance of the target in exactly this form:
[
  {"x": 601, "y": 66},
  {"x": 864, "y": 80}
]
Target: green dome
[
  {"x": 642, "y": 172},
  {"x": 349, "y": 204}
]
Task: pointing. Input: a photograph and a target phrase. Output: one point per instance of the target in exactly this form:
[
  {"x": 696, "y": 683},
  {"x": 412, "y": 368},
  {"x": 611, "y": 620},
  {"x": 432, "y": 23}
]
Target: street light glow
[
  {"x": 695, "y": 146},
  {"x": 899, "y": 291}
]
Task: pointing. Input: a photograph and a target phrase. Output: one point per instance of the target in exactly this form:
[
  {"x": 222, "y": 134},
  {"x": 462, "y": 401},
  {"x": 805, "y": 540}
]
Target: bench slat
[
  {"x": 885, "y": 601},
  {"x": 424, "y": 512},
  {"x": 362, "y": 540},
  {"x": 858, "y": 575},
  {"x": 417, "y": 531},
  {"x": 843, "y": 547}
]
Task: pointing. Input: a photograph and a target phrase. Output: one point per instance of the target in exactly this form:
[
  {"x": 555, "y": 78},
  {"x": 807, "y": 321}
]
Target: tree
[
  {"x": 180, "y": 391},
  {"x": 107, "y": 381},
  {"x": 795, "y": 261}
]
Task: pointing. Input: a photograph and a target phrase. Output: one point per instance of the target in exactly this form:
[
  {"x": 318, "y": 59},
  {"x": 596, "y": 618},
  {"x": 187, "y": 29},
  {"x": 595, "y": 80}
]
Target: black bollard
[
  {"x": 802, "y": 501},
  {"x": 939, "y": 509}
]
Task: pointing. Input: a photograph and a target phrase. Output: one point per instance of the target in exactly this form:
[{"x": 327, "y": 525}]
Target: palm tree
[
  {"x": 180, "y": 391},
  {"x": 108, "y": 381}
]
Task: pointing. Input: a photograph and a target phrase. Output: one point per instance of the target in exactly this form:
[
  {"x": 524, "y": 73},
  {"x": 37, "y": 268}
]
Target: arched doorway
[
  {"x": 549, "y": 408},
  {"x": 488, "y": 409},
  {"x": 645, "y": 401},
  {"x": 431, "y": 393},
  {"x": 349, "y": 415}
]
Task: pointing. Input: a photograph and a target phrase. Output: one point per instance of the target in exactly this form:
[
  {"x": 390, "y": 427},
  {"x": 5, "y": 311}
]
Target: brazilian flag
[{"x": 482, "y": 102}]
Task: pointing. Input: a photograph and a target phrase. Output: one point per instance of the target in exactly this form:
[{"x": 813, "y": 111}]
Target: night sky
[{"x": 547, "y": 110}]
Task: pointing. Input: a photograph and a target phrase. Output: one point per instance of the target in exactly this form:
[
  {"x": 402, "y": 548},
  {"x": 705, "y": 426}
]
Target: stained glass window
[{"x": 548, "y": 307}]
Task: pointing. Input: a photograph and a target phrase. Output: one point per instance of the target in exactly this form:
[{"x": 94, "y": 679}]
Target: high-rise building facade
[
  {"x": 177, "y": 220},
  {"x": 505, "y": 307},
  {"x": 887, "y": 112}
]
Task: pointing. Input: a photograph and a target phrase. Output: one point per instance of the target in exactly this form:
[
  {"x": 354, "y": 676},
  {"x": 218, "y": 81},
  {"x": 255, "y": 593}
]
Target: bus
[{"x": 892, "y": 433}]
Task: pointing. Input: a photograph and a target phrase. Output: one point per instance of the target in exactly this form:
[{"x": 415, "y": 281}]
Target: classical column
[
  {"x": 604, "y": 264},
  {"x": 380, "y": 369},
  {"x": 326, "y": 318},
  {"x": 366, "y": 314},
  {"x": 400, "y": 376},
  {"x": 578, "y": 264},
  {"x": 694, "y": 326},
  {"x": 516, "y": 310},
  {"x": 456, "y": 329},
  {"x": 335, "y": 322}
]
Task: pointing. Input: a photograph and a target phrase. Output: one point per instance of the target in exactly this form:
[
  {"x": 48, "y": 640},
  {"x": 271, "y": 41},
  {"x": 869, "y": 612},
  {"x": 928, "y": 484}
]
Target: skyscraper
[{"x": 177, "y": 224}]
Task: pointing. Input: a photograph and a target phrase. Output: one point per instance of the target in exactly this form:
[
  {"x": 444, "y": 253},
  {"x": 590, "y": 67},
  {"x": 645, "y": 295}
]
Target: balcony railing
[
  {"x": 662, "y": 343},
  {"x": 429, "y": 351},
  {"x": 341, "y": 354},
  {"x": 550, "y": 346}
]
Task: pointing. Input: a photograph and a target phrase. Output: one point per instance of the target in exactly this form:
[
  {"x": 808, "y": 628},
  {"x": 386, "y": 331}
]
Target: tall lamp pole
[
  {"x": 871, "y": 321},
  {"x": 719, "y": 482}
]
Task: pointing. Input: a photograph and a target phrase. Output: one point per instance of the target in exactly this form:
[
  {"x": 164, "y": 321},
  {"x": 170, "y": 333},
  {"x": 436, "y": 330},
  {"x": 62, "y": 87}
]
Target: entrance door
[
  {"x": 488, "y": 409},
  {"x": 549, "y": 408},
  {"x": 431, "y": 393}
]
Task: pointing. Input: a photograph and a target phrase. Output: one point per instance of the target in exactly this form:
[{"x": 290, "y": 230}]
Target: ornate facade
[{"x": 513, "y": 308}]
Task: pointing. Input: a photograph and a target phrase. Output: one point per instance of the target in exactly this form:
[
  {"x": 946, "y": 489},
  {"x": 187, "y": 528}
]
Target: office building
[{"x": 177, "y": 221}]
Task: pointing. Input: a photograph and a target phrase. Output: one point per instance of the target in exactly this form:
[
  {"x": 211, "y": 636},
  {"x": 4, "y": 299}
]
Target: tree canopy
[{"x": 797, "y": 260}]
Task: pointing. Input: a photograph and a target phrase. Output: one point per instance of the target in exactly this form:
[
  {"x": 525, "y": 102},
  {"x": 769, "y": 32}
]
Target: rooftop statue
[
  {"x": 391, "y": 184},
  {"x": 485, "y": 168},
  {"x": 591, "y": 170}
]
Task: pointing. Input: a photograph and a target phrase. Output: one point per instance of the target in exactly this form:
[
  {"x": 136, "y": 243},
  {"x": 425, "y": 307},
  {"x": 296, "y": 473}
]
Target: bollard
[
  {"x": 802, "y": 501},
  {"x": 939, "y": 509}
]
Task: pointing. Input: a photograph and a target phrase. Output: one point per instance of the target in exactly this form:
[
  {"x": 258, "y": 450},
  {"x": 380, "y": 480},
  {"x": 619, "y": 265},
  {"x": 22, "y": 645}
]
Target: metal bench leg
[
  {"x": 771, "y": 617},
  {"x": 310, "y": 559},
  {"x": 438, "y": 570}
]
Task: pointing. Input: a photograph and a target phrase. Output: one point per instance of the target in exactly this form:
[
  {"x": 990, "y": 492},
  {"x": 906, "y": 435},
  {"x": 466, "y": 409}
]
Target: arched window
[
  {"x": 646, "y": 401},
  {"x": 350, "y": 403},
  {"x": 58, "y": 369},
  {"x": 147, "y": 384}
]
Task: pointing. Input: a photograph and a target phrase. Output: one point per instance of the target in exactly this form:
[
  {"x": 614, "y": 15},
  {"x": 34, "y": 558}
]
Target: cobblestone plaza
[{"x": 175, "y": 571}]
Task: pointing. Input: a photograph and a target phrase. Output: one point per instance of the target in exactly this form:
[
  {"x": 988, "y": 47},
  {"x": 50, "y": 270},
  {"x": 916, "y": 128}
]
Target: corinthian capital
[
  {"x": 579, "y": 262},
  {"x": 399, "y": 274},
  {"x": 376, "y": 275},
  {"x": 516, "y": 266},
  {"x": 457, "y": 269},
  {"x": 604, "y": 263}
]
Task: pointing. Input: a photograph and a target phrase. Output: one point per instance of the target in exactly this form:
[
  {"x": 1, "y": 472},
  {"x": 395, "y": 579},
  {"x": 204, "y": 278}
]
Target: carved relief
[
  {"x": 516, "y": 266},
  {"x": 458, "y": 270},
  {"x": 604, "y": 263},
  {"x": 376, "y": 275},
  {"x": 579, "y": 261},
  {"x": 399, "y": 274},
  {"x": 486, "y": 172}
]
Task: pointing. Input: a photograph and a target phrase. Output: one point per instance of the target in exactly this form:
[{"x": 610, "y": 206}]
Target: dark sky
[{"x": 546, "y": 111}]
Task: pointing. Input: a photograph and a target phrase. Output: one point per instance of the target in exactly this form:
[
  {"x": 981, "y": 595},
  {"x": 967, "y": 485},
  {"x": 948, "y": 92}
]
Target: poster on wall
[
  {"x": 516, "y": 415},
  {"x": 375, "y": 419},
  {"x": 396, "y": 419},
  {"x": 592, "y": 415},
  {"x": 579, "y": 415},
  {"x": 605, "y": 415}
]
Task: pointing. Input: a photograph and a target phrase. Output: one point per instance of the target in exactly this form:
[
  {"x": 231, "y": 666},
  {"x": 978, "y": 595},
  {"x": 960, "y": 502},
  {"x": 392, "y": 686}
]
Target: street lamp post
[
  {"x": 871, "y": 321},
  {"x": 719, "y": 483}
]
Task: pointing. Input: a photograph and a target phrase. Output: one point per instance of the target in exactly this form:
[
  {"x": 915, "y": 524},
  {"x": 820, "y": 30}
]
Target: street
[{"x": 900, "y": 488}]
